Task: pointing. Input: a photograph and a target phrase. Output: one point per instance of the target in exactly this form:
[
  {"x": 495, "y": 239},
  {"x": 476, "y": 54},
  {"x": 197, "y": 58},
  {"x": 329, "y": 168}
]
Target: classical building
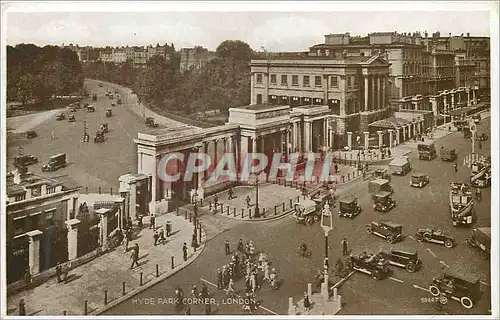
[
  {"x": 354, "y": 89},
  {"x": 39, "y": 213}
]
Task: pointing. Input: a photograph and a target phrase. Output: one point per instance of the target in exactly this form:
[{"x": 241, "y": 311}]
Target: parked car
[
  {"x": 435, "y": 236},
  {"x": 371, "y": 264},
  {"x": 419, "y": 180},
  {"x": 386, "y": 229},
  {"x": 383, "y": 201},
  {"x": 31, "y": 134},
  {"x": 403, "y": 259},
  {"x": 481, "y": 238},
  {"x": 60, "y": 117},
  {"x": 458, "y": 286},
  {"x": 71, "y": 118},
  {"x": 349, "y": 207}
]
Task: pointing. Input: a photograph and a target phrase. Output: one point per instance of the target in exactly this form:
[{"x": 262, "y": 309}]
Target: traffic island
[{"x": 320, "y": 304}]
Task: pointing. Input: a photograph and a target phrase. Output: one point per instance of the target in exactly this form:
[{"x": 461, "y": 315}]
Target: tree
[{"x": 235, "y": 49}]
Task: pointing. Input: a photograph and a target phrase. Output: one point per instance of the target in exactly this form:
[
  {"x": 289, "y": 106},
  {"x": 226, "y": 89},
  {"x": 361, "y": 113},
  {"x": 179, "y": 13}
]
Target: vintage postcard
[{"x": 273, "y": 159}]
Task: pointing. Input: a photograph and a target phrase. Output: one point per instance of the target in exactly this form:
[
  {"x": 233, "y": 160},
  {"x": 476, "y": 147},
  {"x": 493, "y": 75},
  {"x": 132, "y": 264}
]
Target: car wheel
[
  {"x": 390, "y": 239},
  {"x": 376, "y": 276},
  {"x": 369, "y": 230},
  {"x": 434, "y": 290},
  {"x": 410, "y": 267},
  {"x": 419, "y": 237},
  {"x": 427, "y": 237},
  {"x": 317, "y": 218},
  {"x": 448, "y": 244},
  {"x": 309, "y": 221},
  {"x": 421, "y": 185},
  {"x": 466, "y": 302}
]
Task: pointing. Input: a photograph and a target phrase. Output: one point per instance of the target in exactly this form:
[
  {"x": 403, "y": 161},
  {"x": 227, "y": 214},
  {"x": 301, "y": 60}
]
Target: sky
[{"x": 287, "y": 27}]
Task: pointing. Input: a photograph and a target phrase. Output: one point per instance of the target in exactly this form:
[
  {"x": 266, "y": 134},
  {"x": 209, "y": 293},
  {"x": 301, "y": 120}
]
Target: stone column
[
  {"x": 380, "y": 139},
  {"x": 460, "y": 96},
  {"x": 253, "y": 97},
  {"x": 325, "y": 89},
  {"x": 349, "y": 140},
  {"x": 445, "y": 101},
  {"x": 379, "y": 96},
  {"x": 215, "y": 158},
  {"x": 404, "y": 133},
  {"x": 373, "y": 101},
  {"x": 300, "y": 136},
  {"x": 398, "y": 136},
  {"x": 474, "y": 98},
  {"x": 254, "y": 144},
  {"x": 205, "y": 150},
  {"x": 384, "y": 89},
  {"x": 307, "y": 138},
  {"x": 468, "y": 97},
  {"x": 366, "y": 93},
  {"x": 282, "y": 141},
  {"x": 120, "y": 202},
  {"x": 294, "y": 136},
  {"x": 262, "y": 143},
  {"x": 390, "y": 137},
  {"x": 325, "y": 132},
  {"x": 104, "y": 228},
  {"x": 367, "y": 136},
  {"x": 72, "y": 226},
  {"x": 434, "y": 106},
  {"x": 34, "y": 251},
  {"x": 243, "y": 150},
  {"x": 332, "y": 137},
  {"x": 265, "y": 98}
]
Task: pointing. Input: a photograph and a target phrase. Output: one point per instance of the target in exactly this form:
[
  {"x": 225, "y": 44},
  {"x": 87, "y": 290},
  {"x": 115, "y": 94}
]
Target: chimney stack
[{"x": 468, "y": 34}]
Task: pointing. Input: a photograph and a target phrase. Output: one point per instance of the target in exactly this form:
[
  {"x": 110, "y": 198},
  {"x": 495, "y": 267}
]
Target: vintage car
[
  {"x": 72, "y": 109},
  {"x": 382, "y": 174},
  {"x": 99, "y": 137},
  {"x": 119, "y": 101},
  {"x": 383, "y": 201},
  {"x": 100, "y": 84},
  {"x": 349, "y": 207},
  {"x": 481, "y": 136},
  {"x": 71, "y": 118},
  {"x": 400, "y": 166},
  {"x": 379, "y": 185},
  {"x": 371, "y": 264},
  {"x": 481, "y": 238},
  {"x": 104, "y": 128},
  {"x": 402, "y": 258},
  {"x": 448, "y": 154},
  {"x": 150, "y": 122},
  {"x": 435, "y": 236},
  {"x": 90, "y": 108},
  {"x": 386, "y": 229},
  {"x": 60, "y": 117},
  {"x": 31, "y": 134},
  {"x": 419, "y": 180},
  {"x": 109, "y": 113},
  {"x": 306, "y": 211},
  {"x": 458, "y": 286},
  {"x": 25, "y": 160}
]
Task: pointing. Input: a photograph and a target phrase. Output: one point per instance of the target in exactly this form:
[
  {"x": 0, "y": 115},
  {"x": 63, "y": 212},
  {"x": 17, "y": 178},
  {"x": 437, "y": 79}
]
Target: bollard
[
  {"x": 298, "y": 198},
  {"x": 99, "y": 190},
  {"x": 86, "y": 190},
  {"x": 157, "y": 271},
  {"x": 140, "y": 279},
  {"x": 234, "y": 212},
  {"x": 123, "y": 288},
  {"x": 105, "y": 297},
  {"x": 264, "y": 213},
  {"x": 348, "y": 176},
  {"x": 242, "y": 213},
  {"x": 291, "y": 307},
  {"x": 64, "y": 312},
  {"x": 177, "y": 212},
  {"x": 185, "y": 214},
  {"x": 274, "y": 210},
  {"x": 172, "y": 262},
  {"x": 249, "y": 213},
  {"x": 210, "y": 205},
  {"x": 199, "y": 235},
  {"x": 227, "y": 210},
  {"x": 111, "y": 190},
  {"x": 86, "y": 311},
  {"x": 343, "y": 179},
  {"x": 190, "y": 217},
  {"x": 201, "y": 202},
  {"x": 283, "y": 207},
  {"x": 291, "y": 203}
]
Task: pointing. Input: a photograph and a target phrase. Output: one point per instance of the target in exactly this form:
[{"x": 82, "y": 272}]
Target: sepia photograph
[{"x": 249, "y": 159}]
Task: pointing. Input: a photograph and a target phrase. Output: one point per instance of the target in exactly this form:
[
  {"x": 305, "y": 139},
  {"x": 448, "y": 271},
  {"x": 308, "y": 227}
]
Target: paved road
[
  {"x": 94, "y": 165},
  {"x": 363, "y": 295}
]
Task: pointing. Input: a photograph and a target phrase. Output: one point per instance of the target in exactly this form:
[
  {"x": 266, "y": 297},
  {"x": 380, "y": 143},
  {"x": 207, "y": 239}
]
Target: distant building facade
[{"x": 194, "y": 58}]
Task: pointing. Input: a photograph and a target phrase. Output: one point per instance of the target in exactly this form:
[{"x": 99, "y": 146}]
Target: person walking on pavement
[
  {"x": 307, "y": 303},
  {"x": 248, "y": 200},
  {"x": 185, "y": 251},
  {"x": 219, "y": 279},
  {"x": 336, "y": 168},
  {"x": 194, "y": 241},
  {"x": 231, "y": 193},
  {"x": 155, "y": 237},
  {"x": 230, "y": 287},
  {"x": 344, "y": 247},
  {"x": 216, "y": 202},
  {"x": 227, "y": 248},
  {"x": 161, "y": 238},
  {"x": 127, "y": 239},
  {"x": 135, "y": 256},
  {"x": 152, "y": 221},
  {"x": 455, "y": 166}
]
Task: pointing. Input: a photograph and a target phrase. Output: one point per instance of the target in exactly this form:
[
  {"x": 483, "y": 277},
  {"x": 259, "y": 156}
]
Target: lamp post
[
  {"x": 327, "y": 225},
  {"x": 472, "y": 127},
  {"x": 195, "y": 204},
  {"x": 257, "y": 210}
]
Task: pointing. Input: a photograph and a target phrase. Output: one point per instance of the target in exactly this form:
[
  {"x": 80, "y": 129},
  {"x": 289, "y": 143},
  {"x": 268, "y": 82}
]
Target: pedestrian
[
  {"x": 231, "y": 193},
  {"x": 344, "y": 247},
  {"x": 22, "y": 307},
  {"x": 155, "y": 237},
  {"x": 53, "y": 135},
  {"x": 204, "y": 291},
  {"x": 194, "y": 292},
  {"x": 455, "y": 166},
  {"x": 194, "y": 241},
  {"x": 307, "y": 303},
  {"x": 135, "y": 257},
  {"x": 230, "y": 287},
  {"x": 227, "y": 248},
  {"x": 152, "y": 222},
  {"x": 389, "y": 152},
  {"x": 219, "y": 279},
  {"x": 162, "y": 238},
  {"x": 128, "y": 238},
  {"x": 185, "y": 251},
  {"x": 208, "y": 307},
  {"x": 253, "y": 282},
  {"x": 240, "y": 245},
  {"x": 58, "y": 272},
  {"x": 248, "y": 200},
  {"x": 266, "y": 270},
  {"x": 188, "y": 311},
  {"x": 336, "y": 168}
]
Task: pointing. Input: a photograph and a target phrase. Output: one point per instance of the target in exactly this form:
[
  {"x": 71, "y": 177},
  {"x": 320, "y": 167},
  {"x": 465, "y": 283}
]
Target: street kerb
[{"x": 154, "y": 281}]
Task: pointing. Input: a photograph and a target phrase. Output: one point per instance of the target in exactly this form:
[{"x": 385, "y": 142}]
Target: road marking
[
  {"x": 411, "y": 237},
  {"x": 444, "y": 264},
  {"x": 430, "y": 251},
  {"x": 343, "y": 279},
  {"x": 486, "y": 284},
  {"x": 421, "y": 288},
  {"x": 396, "y": 279},
  {"x": 263, "y": 308}
]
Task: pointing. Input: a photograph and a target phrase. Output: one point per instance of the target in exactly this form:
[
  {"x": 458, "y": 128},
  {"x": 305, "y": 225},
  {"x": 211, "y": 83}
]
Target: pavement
[
  {"x": 108, "y": 271},
  {"x": 402, "y": 294}
]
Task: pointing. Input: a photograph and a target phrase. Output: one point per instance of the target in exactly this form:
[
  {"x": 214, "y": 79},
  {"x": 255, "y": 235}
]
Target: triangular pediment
[{"x": 376, "y": 61}]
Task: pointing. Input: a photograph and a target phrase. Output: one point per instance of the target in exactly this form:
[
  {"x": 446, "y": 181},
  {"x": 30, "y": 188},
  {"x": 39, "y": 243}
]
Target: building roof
[
  {"x": 259, "y": 107},
  {"x": 30, "y": 180},
  {"x": 390, "y": 123}
]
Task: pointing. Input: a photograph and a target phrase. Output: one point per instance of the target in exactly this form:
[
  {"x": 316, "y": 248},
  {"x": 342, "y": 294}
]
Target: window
[
  {"x": 295, "y": 80},
  {"x": 305, "y": 80},
  {"x": 51, "y": 190},
  {"x": 317, "y": 81},
  {"x": 349, "y": 82},
  {"x": 259, "y": 78},
  {"x": 20, "y": 197},
  {"x": 284, "y": 80},
  {"x": 49, "y": 215},
  {"x": 273, "y": 79},
  {"x": 334, "y": 82},
  {"x": 353, "y": 82}
]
